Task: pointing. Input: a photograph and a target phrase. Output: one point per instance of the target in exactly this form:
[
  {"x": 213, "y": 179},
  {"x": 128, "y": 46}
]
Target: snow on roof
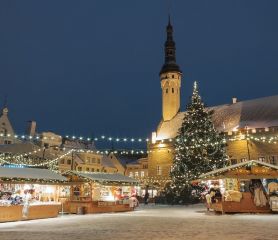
[
  {"x": 105, "y": 177},
  {"x": 256, "y": 113},
  {"x": 107, "y": 162},
  {"x": 221, "y": 171},
  {"x": 18, "y": 148},
  {"x": 30, "y": 174}
]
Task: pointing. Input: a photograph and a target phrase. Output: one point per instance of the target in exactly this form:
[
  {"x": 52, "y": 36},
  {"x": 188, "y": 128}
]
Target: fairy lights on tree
[{"x": 199, "y": 148}]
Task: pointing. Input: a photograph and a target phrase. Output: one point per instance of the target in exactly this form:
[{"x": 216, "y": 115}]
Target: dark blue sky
[{"x": 82, "y": 67}]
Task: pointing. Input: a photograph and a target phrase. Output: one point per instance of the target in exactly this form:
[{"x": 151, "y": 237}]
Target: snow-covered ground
[{"x": 150, "y": 222}]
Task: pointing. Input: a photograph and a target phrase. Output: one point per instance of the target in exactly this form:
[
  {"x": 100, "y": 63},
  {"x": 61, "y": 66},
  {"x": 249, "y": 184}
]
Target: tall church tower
[{"x": 170, "y": 77}]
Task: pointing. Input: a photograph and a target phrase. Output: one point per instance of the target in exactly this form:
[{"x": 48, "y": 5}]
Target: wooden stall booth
[
  {"x": 29, "y": 193},
  {"x": 99, "y": 192},
  {"x": 248, "y": 187}
]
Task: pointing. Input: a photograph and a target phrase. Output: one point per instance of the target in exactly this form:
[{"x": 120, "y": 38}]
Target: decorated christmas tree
[{"x": 199, "y": 148}]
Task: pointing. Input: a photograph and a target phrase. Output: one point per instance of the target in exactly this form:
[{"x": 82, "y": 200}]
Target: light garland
[
  {"x": 26, "y": 154},
  {"x": 80, "y": 138},
  {"x": 48, "y": 162},
  {"x": 239, "y": 137}
]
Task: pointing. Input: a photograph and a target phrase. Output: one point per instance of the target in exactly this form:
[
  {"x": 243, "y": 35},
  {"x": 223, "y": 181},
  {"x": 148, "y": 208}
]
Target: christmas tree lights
[{"x": 199, "y": 148}]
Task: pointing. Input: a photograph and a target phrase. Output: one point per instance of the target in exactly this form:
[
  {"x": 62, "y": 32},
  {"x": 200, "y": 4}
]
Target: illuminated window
[
  {"x": 136, "y": 174},
  {"x": 142, "y": 173},
  {"x": 131, "y": 174},
  {"x": 262, "y": 159},
  {"x": 243, "y": 160},
  {"x": 158, "y": 170}
]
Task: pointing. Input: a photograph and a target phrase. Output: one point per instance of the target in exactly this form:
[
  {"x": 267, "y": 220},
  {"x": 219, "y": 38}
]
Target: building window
[
  {"x": 142, "y": 173},
  {"x": 243, "y": 160},
  {"x": 158, "y": 170},
  {"x": 62, "y": 161},
  {"x": 98, "y": 161},
  {"x": 166, "y": 90},
  {"x": 173, "y": 76},
  {"x": 97, "y": 170},
  {"x": 273, "y": 160},
  {"x": 87, "y": 169},
  {"x": 68, "y": 162},
  {"x": 92, "y": 170},
  {"x": 131, "y": 174},
  {"x": 173, "y": 90},
  {"x": 262, "y": 159},
  {"x": 79, "y": 169},
  {"x": 136, "y": 174}
]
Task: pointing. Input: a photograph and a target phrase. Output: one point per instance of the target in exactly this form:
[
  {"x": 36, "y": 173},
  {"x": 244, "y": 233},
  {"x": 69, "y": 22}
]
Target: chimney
[
  {"x": 31, "y": 128},
  {"x": 234, "y": 100}
]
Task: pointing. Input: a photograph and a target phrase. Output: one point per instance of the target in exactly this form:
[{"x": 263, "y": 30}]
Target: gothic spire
[{"x": 170, "y": 64}]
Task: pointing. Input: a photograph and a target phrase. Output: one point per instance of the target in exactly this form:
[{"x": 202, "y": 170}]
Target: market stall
[
  {"x": 99, "y": 192},
  {"x": 245, "y": 187},
  {"x": 29, "y": 193}
]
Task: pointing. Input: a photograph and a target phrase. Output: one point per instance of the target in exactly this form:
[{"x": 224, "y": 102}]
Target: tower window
[
  {"x": 173, "y": 90},
  {"x": 173, "y": 76},
  {"x": 158, "y": 170},
  {"x": 166, "y": 90}
]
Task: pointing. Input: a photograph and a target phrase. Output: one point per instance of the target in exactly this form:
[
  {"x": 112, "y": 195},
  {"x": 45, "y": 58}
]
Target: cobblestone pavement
[{"x": 150, "y": 222}]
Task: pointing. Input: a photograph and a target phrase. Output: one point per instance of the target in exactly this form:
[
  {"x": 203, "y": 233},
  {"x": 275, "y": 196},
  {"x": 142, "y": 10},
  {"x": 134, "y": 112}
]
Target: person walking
[{"x": 146, "y": 197}]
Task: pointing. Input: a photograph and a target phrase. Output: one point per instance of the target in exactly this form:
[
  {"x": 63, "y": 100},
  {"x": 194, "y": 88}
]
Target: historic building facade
[{"x": 251, "y": 127}]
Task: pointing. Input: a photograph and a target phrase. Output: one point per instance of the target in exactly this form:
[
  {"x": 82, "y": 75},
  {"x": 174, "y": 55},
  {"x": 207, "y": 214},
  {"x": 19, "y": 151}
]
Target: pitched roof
[
  {"x": 105, "y": 178},
  {"x": 256, "y": 113},
  {"x": 223, "y": 172},
  {"x": 107, "y": 162},
  {"x": 30, "y": 175}
]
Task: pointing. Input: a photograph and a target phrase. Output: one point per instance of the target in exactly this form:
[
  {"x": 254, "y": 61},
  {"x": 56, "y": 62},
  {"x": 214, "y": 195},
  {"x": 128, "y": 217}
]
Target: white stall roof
[
  {"x": 30, "y": 174},
  {"x": 105, "y": 177}
]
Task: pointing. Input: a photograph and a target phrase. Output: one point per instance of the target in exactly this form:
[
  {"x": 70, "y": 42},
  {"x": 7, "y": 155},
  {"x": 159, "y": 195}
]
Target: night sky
[{"x": 91, "y": 67}]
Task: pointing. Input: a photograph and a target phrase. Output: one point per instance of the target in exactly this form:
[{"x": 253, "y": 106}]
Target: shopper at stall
[{"x": 26, "y": 203}]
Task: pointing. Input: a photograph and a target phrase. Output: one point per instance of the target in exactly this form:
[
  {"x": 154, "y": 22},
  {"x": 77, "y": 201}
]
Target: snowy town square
[
  {"x": 151, "y": 222},
  {"x": 153, "y": 120}
]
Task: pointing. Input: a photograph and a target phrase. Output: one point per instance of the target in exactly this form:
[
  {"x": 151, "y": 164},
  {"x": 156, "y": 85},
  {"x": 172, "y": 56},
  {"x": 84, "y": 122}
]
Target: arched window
[
  {"x": 173, "y": 90},
  {"x": 166, "y": 90}
]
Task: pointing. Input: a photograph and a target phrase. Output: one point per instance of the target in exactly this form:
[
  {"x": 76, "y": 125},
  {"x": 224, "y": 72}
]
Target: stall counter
[
  {"x": 96, "y": 207},
  {"x": 246, "y": 205},
  {"x": 36, "y": 211}
]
